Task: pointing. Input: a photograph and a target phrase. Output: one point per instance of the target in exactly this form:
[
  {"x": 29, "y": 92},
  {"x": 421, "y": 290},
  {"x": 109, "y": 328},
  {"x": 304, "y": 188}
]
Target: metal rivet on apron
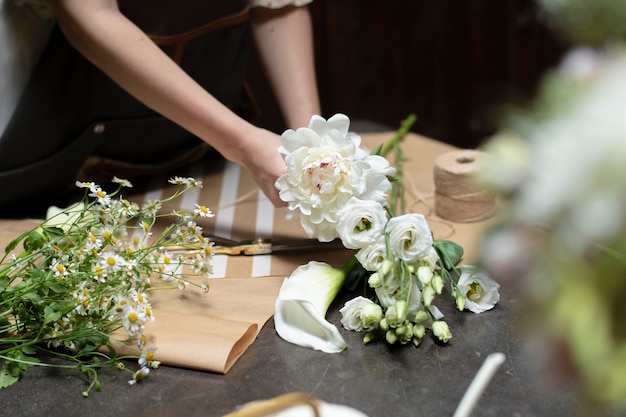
[{"x": 99, "y": 128}]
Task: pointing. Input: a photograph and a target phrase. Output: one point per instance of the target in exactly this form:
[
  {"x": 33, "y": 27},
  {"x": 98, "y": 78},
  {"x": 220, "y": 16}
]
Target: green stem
[{"x": 400, "y": 133}]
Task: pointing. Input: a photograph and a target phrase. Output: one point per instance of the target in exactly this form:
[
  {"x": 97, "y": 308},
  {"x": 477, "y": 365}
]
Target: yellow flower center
[
  {"x": 111, "y": 261},
  {"x": 106, "y": 235},
  {"x": 475, "y": 291},
  {"x": 60, "y": 268},
  {"x": 133, "y": 317}
]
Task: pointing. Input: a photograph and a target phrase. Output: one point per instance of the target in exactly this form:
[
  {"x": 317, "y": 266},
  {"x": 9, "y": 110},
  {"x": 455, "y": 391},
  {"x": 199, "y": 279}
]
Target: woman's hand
[{"x": 259, "y": 156}]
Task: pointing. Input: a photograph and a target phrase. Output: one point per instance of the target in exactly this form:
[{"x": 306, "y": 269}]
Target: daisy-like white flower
[
  {"x": 101, "y": 196},
  {"x": 133, "y": 319},
  {"x": 139, "y": 375},
  {"x": 203, "y": 211},
  {"x": 190, "y": 182},
  {"x": 147, "y": 357},
  {"x": 122, "y": 182},
  {"x": 111, "y": 261},
  {"x": 169, "y": 268},
  {"x": 86, "y": 184},
  {"x": 59, "y": 268}
]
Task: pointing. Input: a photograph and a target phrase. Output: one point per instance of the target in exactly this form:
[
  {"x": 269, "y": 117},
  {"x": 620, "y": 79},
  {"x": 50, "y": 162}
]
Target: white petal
[{"x": 300, "y": 323}]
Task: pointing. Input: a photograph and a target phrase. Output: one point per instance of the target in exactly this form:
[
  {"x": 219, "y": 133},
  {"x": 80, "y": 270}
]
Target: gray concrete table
[{"x": 378, "y": 380}]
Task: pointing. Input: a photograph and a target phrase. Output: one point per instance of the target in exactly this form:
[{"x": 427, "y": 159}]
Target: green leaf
[
  {"x": 8, "y": 376},
  {"x": 34, "y": 240},
  {"x": 50, "y": 315},
  {"x": 449, "y": 252},
  {"x": 29, "y": 350}
]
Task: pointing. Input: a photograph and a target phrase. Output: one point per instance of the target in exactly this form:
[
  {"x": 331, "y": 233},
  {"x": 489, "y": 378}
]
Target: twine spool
[{"x": 458, "y": 196}]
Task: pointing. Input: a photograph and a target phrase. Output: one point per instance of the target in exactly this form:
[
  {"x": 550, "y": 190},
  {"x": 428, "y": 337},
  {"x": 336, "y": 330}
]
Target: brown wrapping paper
[{"x": 209, "y": 332}]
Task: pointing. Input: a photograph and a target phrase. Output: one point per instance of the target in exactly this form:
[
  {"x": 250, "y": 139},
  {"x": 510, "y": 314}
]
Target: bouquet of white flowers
[{"x": 338, "y": 190}]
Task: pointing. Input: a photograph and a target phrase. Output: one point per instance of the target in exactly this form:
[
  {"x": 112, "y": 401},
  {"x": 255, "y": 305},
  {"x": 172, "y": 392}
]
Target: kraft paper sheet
[{"x": 210, "y": 332}]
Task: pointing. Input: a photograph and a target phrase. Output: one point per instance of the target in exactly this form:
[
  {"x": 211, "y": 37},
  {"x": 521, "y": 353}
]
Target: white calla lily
[
  {"x": 64, "y": 218},
  {"x": 301, "y": 307}
]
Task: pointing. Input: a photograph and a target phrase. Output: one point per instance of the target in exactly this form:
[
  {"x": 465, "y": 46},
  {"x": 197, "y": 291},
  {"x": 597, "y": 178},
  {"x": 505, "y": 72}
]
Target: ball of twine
[{"x": 458, "y": 195}]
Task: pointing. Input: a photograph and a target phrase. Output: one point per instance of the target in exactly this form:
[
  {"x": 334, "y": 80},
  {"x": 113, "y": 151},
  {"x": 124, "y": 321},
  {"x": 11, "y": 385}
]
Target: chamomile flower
[
  {"x": 203, "y": 211},
  {"x": 122, "y": 182},
  {"x": 139, "y": 375}
]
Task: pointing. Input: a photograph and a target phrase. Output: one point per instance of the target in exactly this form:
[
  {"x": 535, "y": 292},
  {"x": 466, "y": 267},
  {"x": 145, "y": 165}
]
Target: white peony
[
  {"x": 325, "y": 168},
  {"x": 361, "y": 223},
  {"x": 480, "y": 290},
  {"x": 410, "y": 237}
]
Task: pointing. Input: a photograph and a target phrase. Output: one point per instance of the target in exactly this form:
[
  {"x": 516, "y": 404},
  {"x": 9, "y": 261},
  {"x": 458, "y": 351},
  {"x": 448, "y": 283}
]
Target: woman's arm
[
  {"x": 125, "y": 53},
  {"x": 284, "y": 39}
]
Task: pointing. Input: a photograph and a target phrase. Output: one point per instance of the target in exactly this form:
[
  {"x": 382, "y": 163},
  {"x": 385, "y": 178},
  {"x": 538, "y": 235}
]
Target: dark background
[{"x": 454, "y": 63}]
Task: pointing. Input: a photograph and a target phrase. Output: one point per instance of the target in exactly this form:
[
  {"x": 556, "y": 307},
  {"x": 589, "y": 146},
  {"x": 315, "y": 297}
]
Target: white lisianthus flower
[
  {"x": 410, "y": 237},
  {"x": 361, "y": 314},
  {"x": 371, "y": 257},
  {"x": 325, "y": 168},
  {"x": 478, "y": 288},
  {"x": 361, "y": 223},
  {"x": 303, "y": 300}
]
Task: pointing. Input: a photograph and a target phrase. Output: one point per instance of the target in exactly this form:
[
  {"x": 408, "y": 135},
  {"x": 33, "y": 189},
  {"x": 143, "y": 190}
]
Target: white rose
[
  {"x": 361, "y": 314},
  {"x": 361, "y": 223},
  {"x": 371, "y": 257},
  {"x": 410, "y": 237},
  {"x": 478, "y": 288}
]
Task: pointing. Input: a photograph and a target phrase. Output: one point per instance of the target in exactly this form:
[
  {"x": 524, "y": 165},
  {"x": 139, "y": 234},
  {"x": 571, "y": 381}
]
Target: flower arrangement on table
[
  {"x": 80, "y": 285},
  {"x": 339, "y": 190}
]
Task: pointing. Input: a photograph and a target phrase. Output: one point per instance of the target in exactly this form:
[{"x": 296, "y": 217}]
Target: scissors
[{"x": 259, "y": 246}]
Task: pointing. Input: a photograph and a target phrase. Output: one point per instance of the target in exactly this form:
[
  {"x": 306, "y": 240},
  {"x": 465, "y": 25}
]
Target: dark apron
[{"x": 71, "y": 111}]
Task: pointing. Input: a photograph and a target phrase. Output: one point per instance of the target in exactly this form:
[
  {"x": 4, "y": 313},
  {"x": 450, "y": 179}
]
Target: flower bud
[
  {"x": 421, "y": 316},
  {"x": 437, "y": 283},
  {"x": 391, "y": 336},
  {"x": 386, "y": 267},
  {"x": 419, "y": 331},
  {"x": 424, "y": 274},
  {"x": 371, "y": 314},
  {"x": 375, "y": 281},
  {"x": 396, "y": 314},
  {"x": 441, "y": 330},
  {"x": 370, "y": 336},
  {"x": 384, "y": 326},
  {"x": 460, "y": 303},
  {"x": 428, "y": 295}
]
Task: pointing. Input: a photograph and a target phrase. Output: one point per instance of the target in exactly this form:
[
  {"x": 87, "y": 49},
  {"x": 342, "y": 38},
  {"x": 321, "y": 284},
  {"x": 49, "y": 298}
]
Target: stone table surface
[{"x": 376, "y": 379}]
